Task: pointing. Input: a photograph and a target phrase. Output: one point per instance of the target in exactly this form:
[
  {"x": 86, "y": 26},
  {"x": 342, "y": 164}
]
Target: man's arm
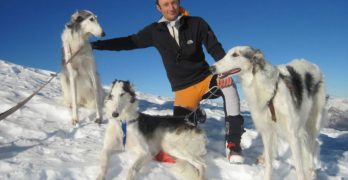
[
  {"x": 142, "y": 39},
  {"x": 115, "y": 44},
  {"x": 215, "y": 49},
  {"x": 210, "y": 42}
]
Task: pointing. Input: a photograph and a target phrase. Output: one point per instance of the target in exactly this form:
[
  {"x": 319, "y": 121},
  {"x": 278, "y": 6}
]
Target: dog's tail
[
  {"x": 318, "y": 118},
  {"x": 319, "y": 112}
]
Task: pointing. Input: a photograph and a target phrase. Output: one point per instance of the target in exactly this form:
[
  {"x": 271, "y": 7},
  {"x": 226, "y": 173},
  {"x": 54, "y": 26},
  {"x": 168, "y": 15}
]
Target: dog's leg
[
  {"x": 195, "y": 161},
  {"x": 141, "y": 159},
  {"x": 104, "y": 161},
  {"x": 307, "y": 149},
  {"x": 188, "y": 146},
  {"x": 95, "y": 86},
  {"x": 267, "y": 139},
  {"x": 315, "y": 162},
  {"x": 295, "y": 145},
  {"x": 112, "y": 143},
  {"x": 138, "y": 145},
  {"x": 261, "y": 159},
  {"x": 73, "y": 91}
]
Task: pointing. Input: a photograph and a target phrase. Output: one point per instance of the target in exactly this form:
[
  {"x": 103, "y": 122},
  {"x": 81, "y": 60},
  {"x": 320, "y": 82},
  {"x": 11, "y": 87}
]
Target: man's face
[{"x": 169, "y": 8}]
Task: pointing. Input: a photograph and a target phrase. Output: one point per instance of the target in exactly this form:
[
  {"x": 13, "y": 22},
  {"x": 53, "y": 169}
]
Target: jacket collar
[
  {"x": 163, "y": 19},
  {"x": 162, "y": 23}
]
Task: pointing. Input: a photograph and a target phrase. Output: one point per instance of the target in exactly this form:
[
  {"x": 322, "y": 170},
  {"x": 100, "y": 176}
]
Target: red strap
[
  {"x": 230, "y": 145},
  {"x": 164, "y": 157}
]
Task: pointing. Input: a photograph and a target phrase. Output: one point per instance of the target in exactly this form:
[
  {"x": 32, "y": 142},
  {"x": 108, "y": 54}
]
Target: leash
[
  {"x": 5, "y": 114},
  {"x": 194, "y": 123},
  {"x": 124, "y": 125},
  {"x": 124, "y": 130}
]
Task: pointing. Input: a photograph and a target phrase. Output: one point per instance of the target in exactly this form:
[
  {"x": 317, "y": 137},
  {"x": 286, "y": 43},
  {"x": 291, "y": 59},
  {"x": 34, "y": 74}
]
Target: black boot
[{"x": 234, "y": 130}]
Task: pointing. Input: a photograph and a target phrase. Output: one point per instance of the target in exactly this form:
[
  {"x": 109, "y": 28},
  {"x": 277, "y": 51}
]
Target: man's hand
[
  {"x": 224, "y": 82},
  {"x": 94, "y": 45}
]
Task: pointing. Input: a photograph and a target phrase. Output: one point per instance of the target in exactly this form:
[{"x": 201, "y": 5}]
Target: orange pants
[{"x": 191, "y": 96}]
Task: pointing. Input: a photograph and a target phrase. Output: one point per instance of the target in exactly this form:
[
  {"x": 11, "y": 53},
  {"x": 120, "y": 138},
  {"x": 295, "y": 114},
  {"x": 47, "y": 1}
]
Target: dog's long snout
[
  {"x": 103, "y": 34},
  {"x": 115, "y": 114},
  {"x": 212, "y": 69}
]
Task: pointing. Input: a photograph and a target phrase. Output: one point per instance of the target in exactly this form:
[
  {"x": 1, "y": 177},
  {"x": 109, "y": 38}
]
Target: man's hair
[{"x": 158, "y": 4}]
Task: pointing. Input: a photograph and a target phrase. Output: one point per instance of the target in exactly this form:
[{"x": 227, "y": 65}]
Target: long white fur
[
  {"x": 79, "y": 78},
  {"x": 188, "y": 147},
  {"x": 298, "y": 126}
]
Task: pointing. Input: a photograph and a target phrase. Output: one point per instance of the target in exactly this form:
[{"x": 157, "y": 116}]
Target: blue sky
[{"x": 316, "y": 30}]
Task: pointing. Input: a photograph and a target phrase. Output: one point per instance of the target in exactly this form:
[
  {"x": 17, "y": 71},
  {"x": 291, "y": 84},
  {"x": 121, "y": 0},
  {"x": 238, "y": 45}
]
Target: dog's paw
[
  {"x": 75, "y": 122},
  {"x": 101, "y": 177},
  {"x": 261, "y": 159},
  {"x": 98, "y": 120},
  {"x": 313, "y": 173}
]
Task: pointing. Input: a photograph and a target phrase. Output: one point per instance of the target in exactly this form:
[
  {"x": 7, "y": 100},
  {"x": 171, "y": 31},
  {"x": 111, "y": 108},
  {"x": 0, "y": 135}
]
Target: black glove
[{"x": 94, "y": 44}]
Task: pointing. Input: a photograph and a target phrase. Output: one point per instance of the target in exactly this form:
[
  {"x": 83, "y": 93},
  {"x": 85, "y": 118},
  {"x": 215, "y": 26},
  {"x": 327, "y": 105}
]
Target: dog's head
[
  {"x": 121, "y": 96},
  {"x": 85, "y": 22},
  {"x": 239, "y": 60}
]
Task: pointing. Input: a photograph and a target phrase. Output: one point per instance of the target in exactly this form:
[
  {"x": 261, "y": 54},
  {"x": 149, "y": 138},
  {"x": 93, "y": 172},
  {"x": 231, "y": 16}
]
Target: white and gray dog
[
  {"x": 79, "y": 78},
  {"x": 146, "y": 135},
  {"x": 286, "y": 100}
]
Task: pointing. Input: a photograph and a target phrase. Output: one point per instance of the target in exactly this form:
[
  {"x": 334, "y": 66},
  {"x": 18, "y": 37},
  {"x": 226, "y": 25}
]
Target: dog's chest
[{"x": 83, "y": 60}]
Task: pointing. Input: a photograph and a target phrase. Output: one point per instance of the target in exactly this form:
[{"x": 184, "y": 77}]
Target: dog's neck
[
  {"x": 73, "y": 41},
  {"x": 260, "y": 86}
]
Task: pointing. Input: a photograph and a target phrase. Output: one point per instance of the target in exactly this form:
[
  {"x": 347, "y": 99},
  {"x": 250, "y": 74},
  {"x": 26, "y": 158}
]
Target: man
[{"x": 179, "y": 40}]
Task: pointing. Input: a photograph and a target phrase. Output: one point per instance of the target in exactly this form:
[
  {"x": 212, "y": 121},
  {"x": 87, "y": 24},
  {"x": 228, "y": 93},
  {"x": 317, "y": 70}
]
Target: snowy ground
[{"x": 38, "y": 141}]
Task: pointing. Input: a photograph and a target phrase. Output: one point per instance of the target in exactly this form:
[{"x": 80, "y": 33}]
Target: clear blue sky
[{"x": 283, "y": 29}]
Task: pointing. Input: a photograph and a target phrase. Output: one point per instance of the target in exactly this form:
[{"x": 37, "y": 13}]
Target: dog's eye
[
  {"x": 122, "y": 94},
  {"x": 91, "y": 19},
  {"x": 235, "y": 55}
]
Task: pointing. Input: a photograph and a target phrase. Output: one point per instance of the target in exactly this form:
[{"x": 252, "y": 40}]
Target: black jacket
[{"x": 185, "y": 64}]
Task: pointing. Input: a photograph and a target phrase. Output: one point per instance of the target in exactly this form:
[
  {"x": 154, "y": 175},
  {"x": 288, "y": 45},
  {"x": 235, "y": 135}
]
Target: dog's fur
[
  {"x": 147, "y": 135},
  {"x": 297, "y": 92},
  {"x": 79, "y": 79}
]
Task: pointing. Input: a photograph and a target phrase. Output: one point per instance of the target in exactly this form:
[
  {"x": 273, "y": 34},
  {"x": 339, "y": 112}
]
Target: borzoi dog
[
  {"x": 146, "y": 135},
  {"x": 287, "y": 100},
  {"x": 79, "y": 79}
]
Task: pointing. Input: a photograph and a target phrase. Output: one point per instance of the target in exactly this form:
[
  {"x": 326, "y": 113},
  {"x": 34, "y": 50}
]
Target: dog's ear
[
  {"x": 132, "y": 99},
  {"x": 109, "y": 96},
  {"x": 74, "y": 20},
  {"x": 79, "y": 19},
  {"x": 128, "y": 88},
  {"x": 258, "y": 60},
  {"x": 258, "y": 55}
]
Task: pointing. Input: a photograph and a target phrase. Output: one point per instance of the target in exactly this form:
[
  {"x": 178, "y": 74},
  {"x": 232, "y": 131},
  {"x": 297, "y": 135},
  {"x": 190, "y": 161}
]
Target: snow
[{"x": 39, "y": 142}]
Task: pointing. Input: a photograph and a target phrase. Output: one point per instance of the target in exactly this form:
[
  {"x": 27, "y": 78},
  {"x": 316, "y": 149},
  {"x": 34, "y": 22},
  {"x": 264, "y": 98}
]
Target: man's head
[{"x": 168, "y": 8}]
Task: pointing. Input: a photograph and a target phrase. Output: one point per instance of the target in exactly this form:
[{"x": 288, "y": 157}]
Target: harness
[
  {"x": 288, "y": 84},
  {"x": 270, "y": 102}
]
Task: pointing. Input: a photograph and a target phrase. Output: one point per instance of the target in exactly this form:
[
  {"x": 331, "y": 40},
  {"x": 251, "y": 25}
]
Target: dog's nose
[
  {"x": 115, "y": 114},
  {"x": 103, "y": 34},
  {"x": 212, "y": 69}
]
